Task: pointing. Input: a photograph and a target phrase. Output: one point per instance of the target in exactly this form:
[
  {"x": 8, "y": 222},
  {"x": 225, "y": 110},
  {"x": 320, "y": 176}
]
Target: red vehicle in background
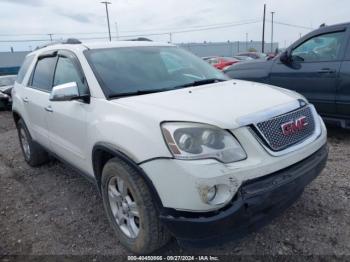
[{"x": 221, "y": 63}]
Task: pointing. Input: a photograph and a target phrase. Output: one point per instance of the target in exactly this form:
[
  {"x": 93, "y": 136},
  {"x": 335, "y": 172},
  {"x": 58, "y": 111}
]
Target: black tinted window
[
  {"x": 24, "y": 68},
  {"x": 67, "y": 72},
  {"x": 43, "y": 74}
]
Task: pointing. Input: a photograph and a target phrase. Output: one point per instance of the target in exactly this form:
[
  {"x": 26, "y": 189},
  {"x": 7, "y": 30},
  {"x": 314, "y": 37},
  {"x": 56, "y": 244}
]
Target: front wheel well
[
  {"x": 99, "y": 159},
  {"x": 16, "y": 117},
  {"x": 102, "y": 153}
]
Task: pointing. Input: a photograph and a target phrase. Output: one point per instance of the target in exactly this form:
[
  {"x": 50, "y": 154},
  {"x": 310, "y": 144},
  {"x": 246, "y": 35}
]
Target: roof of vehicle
[
  {"x": 97, "y": 45},
  {"x": 335, "y": 25}
]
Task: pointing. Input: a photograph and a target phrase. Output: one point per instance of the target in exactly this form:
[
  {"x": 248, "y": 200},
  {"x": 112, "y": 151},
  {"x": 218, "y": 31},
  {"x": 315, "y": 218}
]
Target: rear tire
[
  {"x": 33, "y": 153},
  {"x": 130, "y": 208}
]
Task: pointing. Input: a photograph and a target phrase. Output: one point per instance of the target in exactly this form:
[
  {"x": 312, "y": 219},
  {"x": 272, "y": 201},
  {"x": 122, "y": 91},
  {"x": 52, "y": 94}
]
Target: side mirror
[
  {"x": 65, "y": 92},
  {"x": 285, "y": 57}
]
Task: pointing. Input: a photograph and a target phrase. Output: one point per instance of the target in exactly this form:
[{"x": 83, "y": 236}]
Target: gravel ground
[{"x": 53, "y": 211}]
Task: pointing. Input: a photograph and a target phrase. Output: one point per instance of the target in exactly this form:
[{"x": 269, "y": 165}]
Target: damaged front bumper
[{"x": 255, "y": 204}]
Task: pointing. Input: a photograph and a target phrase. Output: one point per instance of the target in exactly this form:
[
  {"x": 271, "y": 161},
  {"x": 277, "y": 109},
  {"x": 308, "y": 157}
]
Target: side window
[
  {"x": 325, "y": 47},
  {"x": 43, "y": 74},
  {"x": 67, "y": 72},
  {"x": 24, "y": 68}
]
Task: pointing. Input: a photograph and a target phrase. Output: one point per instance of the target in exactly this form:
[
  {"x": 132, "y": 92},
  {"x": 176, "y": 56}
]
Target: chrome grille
[{"x": 272, "y": 133}]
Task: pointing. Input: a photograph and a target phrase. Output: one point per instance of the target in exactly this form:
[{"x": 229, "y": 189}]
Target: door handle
[
  {"x": 326, "y": 71},
  {"x": 49, "y": 109},
  {"x": 25, "y": 99}
]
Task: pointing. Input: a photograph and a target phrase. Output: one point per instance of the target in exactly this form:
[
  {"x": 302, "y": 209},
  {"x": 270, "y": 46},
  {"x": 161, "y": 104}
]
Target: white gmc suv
[{"x": 173, "y": 146}]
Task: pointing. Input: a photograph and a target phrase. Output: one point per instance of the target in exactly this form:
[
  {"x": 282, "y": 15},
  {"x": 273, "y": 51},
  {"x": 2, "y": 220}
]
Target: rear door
[
  {"x": 36, "y": 97},
  {"x": 343, "y": 91},
  {"x": 314, "y": 69},
  {"x": 67, "y": 120}
]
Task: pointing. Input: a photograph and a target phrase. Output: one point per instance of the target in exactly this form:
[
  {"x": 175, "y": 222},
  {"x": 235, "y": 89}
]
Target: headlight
[{"x": 200, "y": 141}]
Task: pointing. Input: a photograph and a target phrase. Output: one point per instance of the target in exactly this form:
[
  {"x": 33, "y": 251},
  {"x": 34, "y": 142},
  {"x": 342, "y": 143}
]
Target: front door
[
  {"x": 314, "y": 70},
  {"x": 68, "y": 119}
]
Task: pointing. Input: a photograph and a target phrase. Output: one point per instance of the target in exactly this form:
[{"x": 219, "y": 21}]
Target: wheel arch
[
  {"x": 16, "y": 116},
  {"x": 103, "y": 152}
]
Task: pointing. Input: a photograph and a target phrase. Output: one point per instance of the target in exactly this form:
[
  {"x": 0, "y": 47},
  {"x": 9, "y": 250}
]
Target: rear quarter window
[{"x": 24, "y": 68}]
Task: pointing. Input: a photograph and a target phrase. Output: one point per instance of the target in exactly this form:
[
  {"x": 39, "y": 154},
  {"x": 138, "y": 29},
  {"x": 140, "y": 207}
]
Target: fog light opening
[{"x": 211, "y": 194}]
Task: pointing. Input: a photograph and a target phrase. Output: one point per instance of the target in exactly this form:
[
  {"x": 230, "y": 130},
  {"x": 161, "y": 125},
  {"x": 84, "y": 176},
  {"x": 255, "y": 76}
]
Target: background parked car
[
  {"x": 317, "y": 66},
  {"x": 243, "y": 58},
  {"x": 221, "y": 63},
  {"x": 6, "y": 85},
  {"x": 254, "y": 55}
]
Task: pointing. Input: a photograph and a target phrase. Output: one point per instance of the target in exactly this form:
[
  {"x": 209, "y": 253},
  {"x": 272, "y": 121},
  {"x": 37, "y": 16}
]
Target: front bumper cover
[{"x": 257, "y": 202}]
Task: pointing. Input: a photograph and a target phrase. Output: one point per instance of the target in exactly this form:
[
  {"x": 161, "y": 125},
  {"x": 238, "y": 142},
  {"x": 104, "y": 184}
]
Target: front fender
[{"x": 134, "y": 134}]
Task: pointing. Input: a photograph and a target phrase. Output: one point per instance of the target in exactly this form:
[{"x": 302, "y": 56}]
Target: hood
[{"x": 222, "y": 104}]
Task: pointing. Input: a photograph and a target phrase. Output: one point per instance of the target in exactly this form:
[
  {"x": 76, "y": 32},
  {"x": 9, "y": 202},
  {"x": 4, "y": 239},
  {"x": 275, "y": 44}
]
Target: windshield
[
  {"x": 139, "y": 70},
  {"x": 7, "y": 81}
]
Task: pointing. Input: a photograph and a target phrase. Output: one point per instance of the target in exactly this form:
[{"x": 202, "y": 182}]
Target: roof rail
[
  {"x": 72, "y": 41},
  {"x": 69, "y": 41},
  {"x": 140, "y": 39}
]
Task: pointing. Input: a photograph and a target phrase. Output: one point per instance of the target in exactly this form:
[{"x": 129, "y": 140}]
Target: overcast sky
[{"x": 24, "y": 17}]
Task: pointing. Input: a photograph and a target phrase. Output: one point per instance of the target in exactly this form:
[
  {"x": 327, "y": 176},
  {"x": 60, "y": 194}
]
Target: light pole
[
  {"x": 263, "y": 32},
  {"x": 272, "y": 13},
  {"x": 109, "y": 27}
]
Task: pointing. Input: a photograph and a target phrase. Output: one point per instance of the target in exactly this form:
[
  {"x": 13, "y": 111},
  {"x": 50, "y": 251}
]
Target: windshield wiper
[
  {"x": 139, "y": 92},
  {"x": 151, "y": 91},
  {"x": 202, "y": 82}
]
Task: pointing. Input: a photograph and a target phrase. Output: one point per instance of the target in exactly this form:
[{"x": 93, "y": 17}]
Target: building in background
[
  {"x": 227, "y": 48},
  {"x": 10, "y": 62}
]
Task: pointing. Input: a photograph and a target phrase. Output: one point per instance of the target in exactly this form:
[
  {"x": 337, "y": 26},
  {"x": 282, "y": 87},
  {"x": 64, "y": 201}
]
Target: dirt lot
[{"x": 52, "y": 210}]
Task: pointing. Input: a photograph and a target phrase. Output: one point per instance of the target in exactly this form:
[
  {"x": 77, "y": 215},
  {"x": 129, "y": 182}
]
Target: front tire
[
  {"x": 33, "y": 153},
  {"x": 131, "y": 209}
]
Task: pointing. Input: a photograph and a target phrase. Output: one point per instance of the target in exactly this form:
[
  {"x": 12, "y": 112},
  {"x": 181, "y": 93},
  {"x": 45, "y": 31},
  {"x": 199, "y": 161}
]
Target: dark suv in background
[{"x": 317, "y": 66}]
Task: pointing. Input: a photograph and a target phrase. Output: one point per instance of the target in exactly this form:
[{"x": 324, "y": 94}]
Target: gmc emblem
[{"x": 293, "y": 127}]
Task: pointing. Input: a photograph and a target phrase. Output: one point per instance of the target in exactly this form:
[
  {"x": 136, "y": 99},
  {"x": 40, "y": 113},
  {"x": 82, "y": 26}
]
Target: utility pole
[
  {"x": 116, "y": 31},
  {"x": 50, "y": 37},
  {"x": 246, "y": 41},
  {"x": 272, "y": 13},
  {"x": 263, "y": 32},
  {"x": 109, "y": 27}
]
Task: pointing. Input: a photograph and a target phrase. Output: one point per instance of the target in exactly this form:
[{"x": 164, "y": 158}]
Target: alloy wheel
[{"x": 124, "y": 207}]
